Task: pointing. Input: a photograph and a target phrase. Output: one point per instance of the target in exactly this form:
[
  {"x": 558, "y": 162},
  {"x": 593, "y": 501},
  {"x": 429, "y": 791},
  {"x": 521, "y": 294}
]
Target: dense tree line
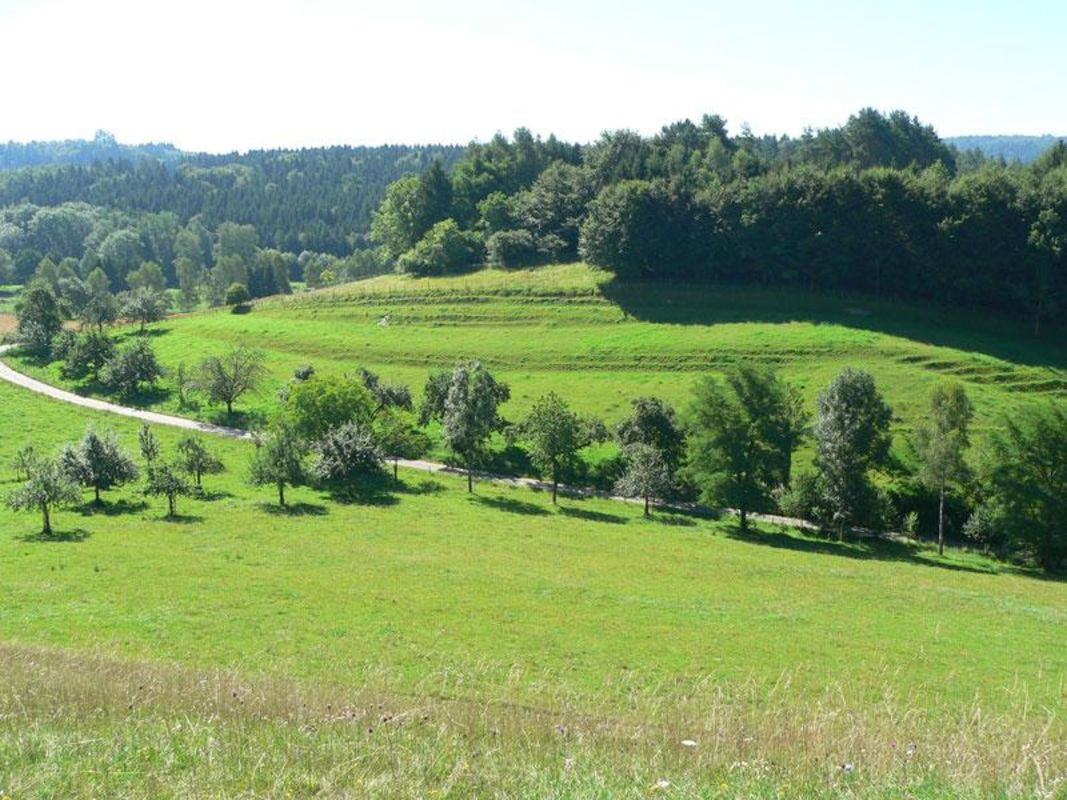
[
  {"x": 102, "y": 147},
  {"x": 880, "y": 205},
  {"x": 318, "y": 200}
]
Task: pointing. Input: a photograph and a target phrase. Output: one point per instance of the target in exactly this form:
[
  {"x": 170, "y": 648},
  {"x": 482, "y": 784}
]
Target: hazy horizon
[{"x": 243, "y": 76}]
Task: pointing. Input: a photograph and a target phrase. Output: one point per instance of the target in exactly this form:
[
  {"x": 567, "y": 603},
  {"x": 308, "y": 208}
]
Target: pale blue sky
[{"x": 220, "y": 75}]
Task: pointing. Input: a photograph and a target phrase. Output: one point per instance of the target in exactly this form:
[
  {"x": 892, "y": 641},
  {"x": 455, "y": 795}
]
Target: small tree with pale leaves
[
  {"x": 197, "y": 460},
  {"x": 279, "y": 459},
  {"x": 940, "y": 441},
  {"x": 166, "y": 480},
  {"x": 647, "y": 474},
  {"x": 47, "y": 485},
  {"x": 149, "y": 445}
]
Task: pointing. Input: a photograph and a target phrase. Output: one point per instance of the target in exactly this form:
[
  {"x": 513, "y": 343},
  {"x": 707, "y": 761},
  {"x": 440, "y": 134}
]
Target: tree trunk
[
  {"x": 470, "y": 478},
  {"x": 555, "y": 484},
  {"x": 744, "y": 518},
  {"x": 170, "y": 505},
  {"x": 281, "y": 493},
  {"x": 198, "y": 479},
  {"x": 396, "y": 469},
  {"x": 96, "y": 489},
  {"x": 229, "y": 408},
  {"x": 47, "y": 530},
  {"x": 647, "y": 514},
  {"x": 941, "y": 520}
]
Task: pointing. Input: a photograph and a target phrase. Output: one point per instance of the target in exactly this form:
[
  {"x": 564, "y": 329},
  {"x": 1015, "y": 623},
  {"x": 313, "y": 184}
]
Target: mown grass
[
  {"x": 500, "y": 618},
  {"x": 573, "y": 330}
]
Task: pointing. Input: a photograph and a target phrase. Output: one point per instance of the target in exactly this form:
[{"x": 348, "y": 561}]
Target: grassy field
[
  {"x": 428, "y": 642},
  {"x": 572, "y": 330}
]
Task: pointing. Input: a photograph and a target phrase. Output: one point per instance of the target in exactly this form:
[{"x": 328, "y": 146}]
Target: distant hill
[
  {"x": 1011, "y": 148},
  {"x": 102, "y": 147}
]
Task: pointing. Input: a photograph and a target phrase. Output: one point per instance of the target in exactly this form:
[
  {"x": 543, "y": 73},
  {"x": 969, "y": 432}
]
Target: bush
[
  {"x": 512, "y": 248},
  {"x": 802, "y": 498},
  {"x": 444, "y": 250},
  {"x": 348, "y": 453},
  {"x": 237, "y": 295}
]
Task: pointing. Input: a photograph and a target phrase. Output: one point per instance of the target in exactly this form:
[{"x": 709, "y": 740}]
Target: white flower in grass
[
  {"x": 662, "y": 783},
  {"x": 688, "y": 743}
]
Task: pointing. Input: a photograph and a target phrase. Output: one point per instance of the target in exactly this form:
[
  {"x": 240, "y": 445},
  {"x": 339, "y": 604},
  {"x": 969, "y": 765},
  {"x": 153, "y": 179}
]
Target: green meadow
[
  {"x": 425, "y": 642},
  {"x": 574, "y": 330}
]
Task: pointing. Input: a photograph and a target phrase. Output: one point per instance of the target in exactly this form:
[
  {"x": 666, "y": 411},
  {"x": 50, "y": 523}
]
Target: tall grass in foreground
[{"x": 88, "y": 726}]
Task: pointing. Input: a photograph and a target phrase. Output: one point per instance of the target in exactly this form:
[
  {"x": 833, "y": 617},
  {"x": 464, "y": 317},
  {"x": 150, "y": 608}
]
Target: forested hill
[
  {"x": 1011, "y": 148},
  {"x": 102, "y": 147},
  {"x": 319, "y": 199}
]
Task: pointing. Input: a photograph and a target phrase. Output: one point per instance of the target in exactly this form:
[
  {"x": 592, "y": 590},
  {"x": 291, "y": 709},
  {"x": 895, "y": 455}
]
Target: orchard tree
[
  {"x": 101, "y": 308},
  {"x": 144, "y": 306},
  {"x": 554, "y": 434},
  {"x": 851, "y": 437},
  {"x": 653, "y": 422},
  {"x": 166, "y": 480},
  {"x": 132, "y": 368},
  {"x": 279, "y": 459},
  {"x": 47, "y": 485},
  {"x": 742, "y": 432},
  {"x": 386, "y": 395},
  {"x": 400, "y": 437},
  {"x": 320, "y": 403},
  {"x": 87, "y": 354},
  {"x": 940, "y": 440},
  {"x": 466, "y": 402},
  {"x": 195, "y": 458},
  {"x": 149, "y": 445},
  {"x": 225, "y": 378},
  {"x": 98, "y": 463},
  {"x": 39, "y": 318},
  {"x": 647, "y": 474},
  {"x": 1027, "y": 475}
]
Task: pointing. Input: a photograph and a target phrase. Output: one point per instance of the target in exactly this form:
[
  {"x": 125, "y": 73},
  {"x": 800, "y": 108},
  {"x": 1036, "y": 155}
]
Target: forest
[{"x": 880, "y": 205}]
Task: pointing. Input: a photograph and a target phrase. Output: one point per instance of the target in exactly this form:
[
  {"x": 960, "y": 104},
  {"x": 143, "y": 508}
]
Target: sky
[{"x": 225, "y": 75}]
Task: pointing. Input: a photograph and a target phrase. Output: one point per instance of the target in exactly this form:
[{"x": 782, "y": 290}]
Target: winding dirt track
[{"x": 26, "y": 382}]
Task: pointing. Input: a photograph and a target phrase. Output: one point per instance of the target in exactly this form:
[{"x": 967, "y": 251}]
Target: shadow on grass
[
  {"x": 182, "y": 519},
  {"x": 112, "y": 509},
  {"x": 996, "y": 335},
  {"x": 866, "y": 549},
  {"x": 248, "y": 420},
  {"x": 211, "y": 496},
  {"x": 373, "y": 491},
  {"x": 424, "y": 486},
  {"x": 75, "y": 535},
  {"x": 592, "y": 516},
  {"x": 294, "y": 509},
  {"x": 673, "y": 520},
  {"x": 510, "y": 505}
]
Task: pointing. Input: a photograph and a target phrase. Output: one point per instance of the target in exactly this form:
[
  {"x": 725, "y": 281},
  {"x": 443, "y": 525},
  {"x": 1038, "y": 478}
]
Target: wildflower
[
  {"x": 688, "y": 743},
  {"x": 662, "y": 783}
]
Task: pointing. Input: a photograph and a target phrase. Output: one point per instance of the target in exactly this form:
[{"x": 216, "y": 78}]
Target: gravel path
[{"x": 26, "y": 382}]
